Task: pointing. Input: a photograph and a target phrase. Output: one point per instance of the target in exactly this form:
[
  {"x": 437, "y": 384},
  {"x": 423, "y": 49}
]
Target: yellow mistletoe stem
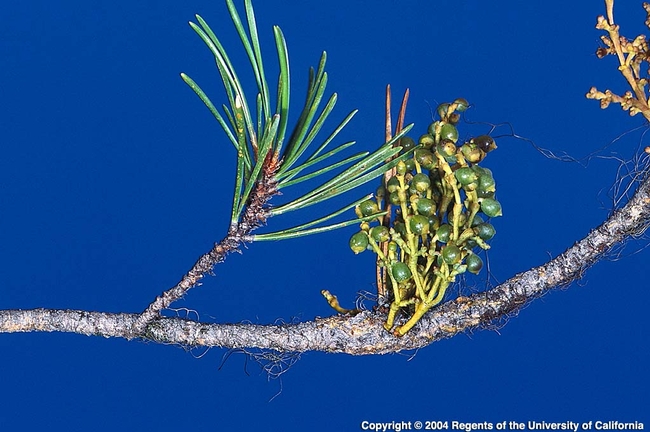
[{"x": 334, "y": 303}]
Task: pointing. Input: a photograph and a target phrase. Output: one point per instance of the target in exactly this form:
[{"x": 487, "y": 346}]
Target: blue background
[{"x": 114, "y": 178}]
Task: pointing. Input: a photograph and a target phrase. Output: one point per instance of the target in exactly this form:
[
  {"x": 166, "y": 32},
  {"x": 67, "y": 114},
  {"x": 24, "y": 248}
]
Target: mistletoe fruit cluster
[{"x": 432, "y": 217}]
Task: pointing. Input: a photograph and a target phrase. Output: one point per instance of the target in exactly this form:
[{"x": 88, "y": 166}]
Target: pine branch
[
  {"x": 363, "y": 333},
  {"x": 253, "y": 217}
]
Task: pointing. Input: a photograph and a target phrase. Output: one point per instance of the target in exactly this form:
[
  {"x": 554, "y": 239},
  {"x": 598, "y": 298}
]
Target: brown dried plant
[{"x": 631, "y": 55}]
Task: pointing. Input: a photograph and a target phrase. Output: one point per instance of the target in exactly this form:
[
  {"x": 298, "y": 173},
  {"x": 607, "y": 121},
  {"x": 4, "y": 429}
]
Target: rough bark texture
[{"x": 363, "y": 333}]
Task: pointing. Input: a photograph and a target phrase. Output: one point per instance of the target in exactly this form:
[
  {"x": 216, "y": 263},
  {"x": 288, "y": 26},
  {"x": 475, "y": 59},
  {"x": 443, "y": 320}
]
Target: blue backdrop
[{"x": 114, "y": 178}]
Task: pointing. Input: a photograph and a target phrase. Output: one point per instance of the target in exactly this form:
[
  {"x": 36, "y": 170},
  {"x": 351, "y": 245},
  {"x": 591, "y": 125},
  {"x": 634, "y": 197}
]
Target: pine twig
[{"x": 253, "y": 217}]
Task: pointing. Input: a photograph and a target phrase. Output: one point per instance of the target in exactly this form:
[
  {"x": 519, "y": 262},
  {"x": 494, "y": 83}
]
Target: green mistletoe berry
[
  {"x": 406, "y": 143},
  {"x": 491, "y": 207},
  {"x": 447, "y": 148},
  {"x": 400, "y": 272},
  {"x": 410, "y": 165},
  {"x": 394, "y": 198},
  {"x": 434, "y": 224},
  {"x": 421, "y": 182},
  {"x": 485, "y": 231},
  {"x": 380, "y": 233},
  {"x": 449, "y": 131},
  {"x": 424, "y": 157},
  {"x": 359, "y": 242},
  {"x": 368, "y": 208},
  {"x": 419, "y": 224},
  {"x": 425, "y": 206},
  {"x": 426, "y": 141},
  {"x": 451, "y": 254},
  {"x": 444, "y": 232},
  {"x": 392, "y": 185},
  {"x": 474, "y": 263},
  {"x": 465, "y": 176},
  {"x": 486, "y": 182}
]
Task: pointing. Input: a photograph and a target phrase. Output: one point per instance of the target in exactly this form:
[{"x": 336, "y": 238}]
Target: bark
[{"x": 363, "y": 333}]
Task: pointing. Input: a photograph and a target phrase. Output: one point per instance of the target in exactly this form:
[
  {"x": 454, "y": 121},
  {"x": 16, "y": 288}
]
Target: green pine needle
[
  {"x": 258, "y": 132},
  {"x": 304, "y": 229},
  {"x": 369, "y": 168}
]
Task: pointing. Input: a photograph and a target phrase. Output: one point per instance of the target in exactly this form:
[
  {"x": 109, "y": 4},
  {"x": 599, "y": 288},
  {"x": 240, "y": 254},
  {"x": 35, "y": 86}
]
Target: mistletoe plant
[{"x": 432, "y": 235}]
